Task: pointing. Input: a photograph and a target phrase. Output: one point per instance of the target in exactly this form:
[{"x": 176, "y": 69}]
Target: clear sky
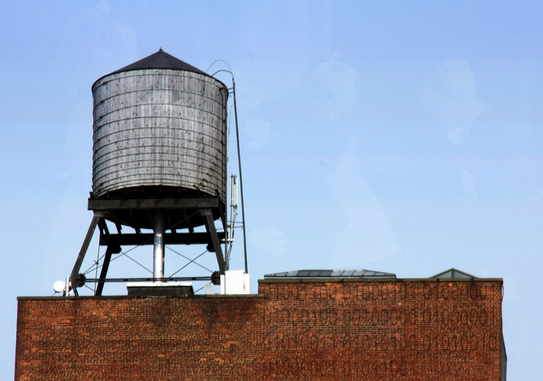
[{"x": 394, "y": 136}]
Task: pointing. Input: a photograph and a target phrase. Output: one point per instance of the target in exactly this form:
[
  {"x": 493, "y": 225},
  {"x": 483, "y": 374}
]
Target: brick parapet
[{"x": 331, "y": 330}]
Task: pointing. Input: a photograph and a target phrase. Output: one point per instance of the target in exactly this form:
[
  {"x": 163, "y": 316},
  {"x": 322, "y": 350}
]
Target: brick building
[{"x": 300, "y": 326}]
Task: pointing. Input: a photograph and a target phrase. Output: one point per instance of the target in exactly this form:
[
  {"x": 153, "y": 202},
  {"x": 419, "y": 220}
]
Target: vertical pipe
[
  {"x": 158, "y": 250},
  {"x": 240, "y": 178}
]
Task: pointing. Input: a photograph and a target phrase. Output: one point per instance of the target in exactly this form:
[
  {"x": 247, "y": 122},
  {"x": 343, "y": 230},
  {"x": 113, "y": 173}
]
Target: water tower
[{"x": 159, "y": 162}]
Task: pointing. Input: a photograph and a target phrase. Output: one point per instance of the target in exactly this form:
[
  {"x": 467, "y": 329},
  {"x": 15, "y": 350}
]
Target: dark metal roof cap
[
  {"x": 160, "y": 60},
  {"x": 331, "y": 274}
]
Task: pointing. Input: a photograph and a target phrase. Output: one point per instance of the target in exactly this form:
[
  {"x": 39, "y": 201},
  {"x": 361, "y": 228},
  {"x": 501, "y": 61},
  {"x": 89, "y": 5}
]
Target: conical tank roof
[{"x": 159, "y": 60}]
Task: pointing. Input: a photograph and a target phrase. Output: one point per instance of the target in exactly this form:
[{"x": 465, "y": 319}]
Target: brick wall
[{"x": 352, "y": 330}]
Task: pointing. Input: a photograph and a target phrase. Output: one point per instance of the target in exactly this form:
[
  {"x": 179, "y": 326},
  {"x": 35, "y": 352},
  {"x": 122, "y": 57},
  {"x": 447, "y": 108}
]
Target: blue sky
[{"x": 392, "y": 136}]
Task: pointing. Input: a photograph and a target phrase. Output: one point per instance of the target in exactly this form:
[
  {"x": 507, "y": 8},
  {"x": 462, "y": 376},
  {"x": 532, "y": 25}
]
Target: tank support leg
[
  {"x": 75, "y": 271},
  {"x": 111, "y": 249},
  {"x": 210, "y": 226}
]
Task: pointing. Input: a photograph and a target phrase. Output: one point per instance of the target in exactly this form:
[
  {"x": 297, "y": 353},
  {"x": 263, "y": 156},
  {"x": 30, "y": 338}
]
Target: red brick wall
[{"x": 389, "y": 330}]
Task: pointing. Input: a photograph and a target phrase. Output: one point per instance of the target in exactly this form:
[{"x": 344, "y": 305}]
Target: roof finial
[{"x": 161, "y": 48}]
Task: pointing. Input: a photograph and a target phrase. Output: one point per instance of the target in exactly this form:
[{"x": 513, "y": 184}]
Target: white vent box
[{"x": 235, "y": 282}]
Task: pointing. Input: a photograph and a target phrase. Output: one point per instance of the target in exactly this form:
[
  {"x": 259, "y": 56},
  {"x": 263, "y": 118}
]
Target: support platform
[{"x": 179, "y": 213}]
